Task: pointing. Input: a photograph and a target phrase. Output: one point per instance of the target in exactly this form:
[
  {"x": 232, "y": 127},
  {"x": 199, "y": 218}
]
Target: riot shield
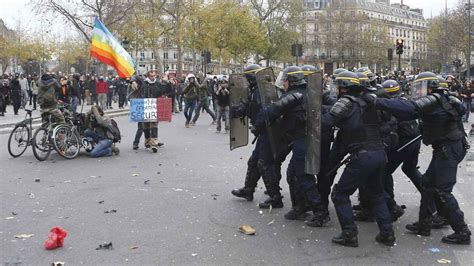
[
  {"x": 239, "y": 126},
  {"x": 313, "y": 124},
  {"x": 268, "y": 93}
]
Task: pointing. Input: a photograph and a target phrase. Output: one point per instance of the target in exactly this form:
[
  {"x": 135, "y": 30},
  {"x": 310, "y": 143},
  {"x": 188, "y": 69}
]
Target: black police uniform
[
  {"x": 442, "y": 128},
  {"x": 292, "y": 111},
  {"x": 261, "y": 162},
  {"x": 359, "y": 129}
]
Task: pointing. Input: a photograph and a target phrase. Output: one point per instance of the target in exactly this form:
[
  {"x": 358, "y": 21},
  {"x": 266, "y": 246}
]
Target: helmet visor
[
  {"x": 419, "y": 89},
  {"x": 280, "y": 80}
]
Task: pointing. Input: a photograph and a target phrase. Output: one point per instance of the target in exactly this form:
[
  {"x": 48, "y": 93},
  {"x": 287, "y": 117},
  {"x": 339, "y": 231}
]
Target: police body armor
[
  {"x": 254, "y": 105},
  {"x": 367, "y": 135},
  {"x": 389, "y": 130},
  {"x": 433, "y": 130}
]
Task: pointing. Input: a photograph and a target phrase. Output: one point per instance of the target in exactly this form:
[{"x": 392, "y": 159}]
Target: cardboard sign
[
  {"x": 143, "y": 110},
  {"x": 150, "y": 110}
]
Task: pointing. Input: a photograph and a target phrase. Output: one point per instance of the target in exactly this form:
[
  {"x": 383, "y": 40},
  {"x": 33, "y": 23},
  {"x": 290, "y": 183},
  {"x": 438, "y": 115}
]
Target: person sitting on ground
[
  {"x": 47, "y": 87},
  {"x": 98, "y": 130}
]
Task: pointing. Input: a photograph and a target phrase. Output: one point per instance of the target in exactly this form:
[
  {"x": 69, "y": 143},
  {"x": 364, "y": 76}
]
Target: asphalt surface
[{"x": 185, "y": 213}]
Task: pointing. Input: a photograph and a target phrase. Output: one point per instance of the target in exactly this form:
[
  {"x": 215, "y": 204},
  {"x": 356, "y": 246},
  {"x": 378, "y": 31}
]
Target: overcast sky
[{"x": 13, "y": 10}]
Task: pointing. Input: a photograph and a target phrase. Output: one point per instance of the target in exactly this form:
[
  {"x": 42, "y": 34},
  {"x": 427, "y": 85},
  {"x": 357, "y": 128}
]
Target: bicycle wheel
[
  {"x": 18, "y": 140},
  {"x": 42, "y": 144},
  {"x": 66, "y": 143}
]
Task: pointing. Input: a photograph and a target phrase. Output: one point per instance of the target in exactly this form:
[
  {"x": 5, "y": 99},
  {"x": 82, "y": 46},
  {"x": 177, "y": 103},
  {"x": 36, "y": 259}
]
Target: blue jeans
[
  {"x": 102, "y": 146},
  {"x": 189, "y": 106},
  {"x": 74, "y": 102},
  {"x": 465, "y": 118}
]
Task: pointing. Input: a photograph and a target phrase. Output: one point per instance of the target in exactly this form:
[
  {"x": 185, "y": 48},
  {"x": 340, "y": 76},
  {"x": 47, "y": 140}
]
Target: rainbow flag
[{"x": 107, "y": 49}]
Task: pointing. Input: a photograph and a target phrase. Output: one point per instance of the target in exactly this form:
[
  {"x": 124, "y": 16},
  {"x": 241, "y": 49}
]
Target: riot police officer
[
  {"x": 261, "y": 162},
  {"x": 408, "y": 157},
  {"x": 292, "y": 110},
  {"x": 443, "y": 130},
  {"x": 355, "y": 115}
]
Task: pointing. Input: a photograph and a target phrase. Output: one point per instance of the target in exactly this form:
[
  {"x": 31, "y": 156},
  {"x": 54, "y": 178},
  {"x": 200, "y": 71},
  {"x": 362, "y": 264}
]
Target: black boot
[
  {"x": 419, "y": 229},
  {"x": 275, "y": 202},
  {"x": 386, "y": 238},
  {"x": 320, "y": 218},
  {"x": 246, "y": 193},
  {"x": 439, "y": 221},
  {"x": 346, "y": 238},
  {"x": 461, "y": 237},
  {"x": 396, "y": 212},
  {"x": 297, "y": 213}
]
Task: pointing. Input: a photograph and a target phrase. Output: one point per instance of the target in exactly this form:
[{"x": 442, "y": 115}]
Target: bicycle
[
  {"x": 20, "y": 137},
  {"x": 42, "y": 141},
  {"x": 68, "y": 138}
]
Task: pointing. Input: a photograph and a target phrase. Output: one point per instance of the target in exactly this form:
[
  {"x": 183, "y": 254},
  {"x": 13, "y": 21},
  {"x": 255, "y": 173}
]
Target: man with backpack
[{"x": 103, "y": 131}]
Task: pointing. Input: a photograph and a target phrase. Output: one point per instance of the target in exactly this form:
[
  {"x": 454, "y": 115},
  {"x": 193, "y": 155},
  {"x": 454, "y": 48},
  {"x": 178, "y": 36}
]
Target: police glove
[
  {"x": 453, "y": 100},
  {"x": 370, "y": 98}
]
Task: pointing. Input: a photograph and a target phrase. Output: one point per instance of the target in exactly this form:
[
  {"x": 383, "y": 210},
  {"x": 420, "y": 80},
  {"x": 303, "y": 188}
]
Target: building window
[
  {"x": 165, "y": 55},
  {"x": 175, "y": 55},
  {"x": 152, "y": 55},
  {"x": 142, "y": 56}
]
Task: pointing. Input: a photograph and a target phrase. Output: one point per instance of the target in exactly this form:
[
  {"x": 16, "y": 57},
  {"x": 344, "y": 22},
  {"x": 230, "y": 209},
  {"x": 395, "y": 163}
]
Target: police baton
[
  {"x": 409, "y": 143},
  {"x": 343, "y": 162}
]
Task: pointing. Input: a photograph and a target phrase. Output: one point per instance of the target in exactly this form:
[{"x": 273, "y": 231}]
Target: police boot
[
  {"x": 460, "y": 237},
  {"x": 272, "y": 201},
  {"x": 439, "y": 221},
  {"x": 319, "y": 218},
  {"x": 420, "y": 228},
  {"x": 386, "y": 238},
  {"x": 396, "y": 212},
  {"x": 297, "y": 213},
  {"x": 346, "y": 238},
  {"x": 246, "y": 193}
]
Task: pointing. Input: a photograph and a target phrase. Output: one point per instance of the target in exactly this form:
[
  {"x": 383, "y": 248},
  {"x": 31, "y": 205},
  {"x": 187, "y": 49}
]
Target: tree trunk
[{"x": 179, "y": 67}]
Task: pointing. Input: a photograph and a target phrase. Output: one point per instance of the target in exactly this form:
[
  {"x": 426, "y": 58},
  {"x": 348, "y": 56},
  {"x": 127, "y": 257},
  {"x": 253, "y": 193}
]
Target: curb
[{"x": 7, "y": 128}]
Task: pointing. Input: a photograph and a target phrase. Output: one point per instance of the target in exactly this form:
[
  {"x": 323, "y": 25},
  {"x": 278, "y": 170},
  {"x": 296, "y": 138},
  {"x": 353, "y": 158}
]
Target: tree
[
  {"x": 81, "y": 13},
  {"x": 280, "y": 19},
  {"x": 72, "y": 53},
  {"x": 232, "y": 31}
]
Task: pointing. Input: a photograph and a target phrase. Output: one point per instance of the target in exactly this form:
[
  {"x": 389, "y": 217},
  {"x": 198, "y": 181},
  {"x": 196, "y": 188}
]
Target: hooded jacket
[{"x": 47, "y": 87}]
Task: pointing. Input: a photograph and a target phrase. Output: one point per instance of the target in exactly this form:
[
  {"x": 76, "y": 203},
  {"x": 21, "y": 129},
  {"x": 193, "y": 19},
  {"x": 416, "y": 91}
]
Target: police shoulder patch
[{"x": 341, "y": 108}]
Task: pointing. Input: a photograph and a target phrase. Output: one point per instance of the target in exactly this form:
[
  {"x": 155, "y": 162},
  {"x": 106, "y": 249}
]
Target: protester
[
  {"x": 48, "y": 87},
  {"x": 64, "y": 90},
  {"x": 16, "y": 94},
  {"x": 102, "y": 89},
  {"x": 34, "y": 90},
  {"x": 466, "y": 95},
  {"x": 98, "y": 129},
  {"x": 223, "y": 103},
  {"x": 190, "y": 93},
  {"x": 25, "y": 90}
]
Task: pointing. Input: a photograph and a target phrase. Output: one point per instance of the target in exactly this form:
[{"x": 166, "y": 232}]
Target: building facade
[{"x": 324, "y": 19}]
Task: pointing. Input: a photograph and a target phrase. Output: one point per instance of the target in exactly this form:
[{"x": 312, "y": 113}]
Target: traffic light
[{"x": 399, "y": 45}]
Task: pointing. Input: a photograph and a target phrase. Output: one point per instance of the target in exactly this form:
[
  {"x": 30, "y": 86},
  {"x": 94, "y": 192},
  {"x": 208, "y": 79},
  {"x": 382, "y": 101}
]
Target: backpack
[{"x": 113, "y": 128}]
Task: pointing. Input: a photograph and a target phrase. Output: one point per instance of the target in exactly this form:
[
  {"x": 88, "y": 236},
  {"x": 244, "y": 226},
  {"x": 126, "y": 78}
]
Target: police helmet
[
  {"x": 309, "y": 69},
  {"x": 368, "y": 72},
  {"x": 249, "y": 72},
  {"x": 348, "y": 80},
  {"x": 364, "y": 80},
  {"x": 391, "y": 87},
  {"x": 423, "y": 82},
  {"x": 293, "y": 74},
  {"x": 443, "y": 83},
  {"x": 338, "y": 71}
]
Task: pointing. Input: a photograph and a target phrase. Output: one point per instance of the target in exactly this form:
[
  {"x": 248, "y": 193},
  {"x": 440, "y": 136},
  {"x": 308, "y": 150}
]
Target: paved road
[{"x": 186, "y": 214}]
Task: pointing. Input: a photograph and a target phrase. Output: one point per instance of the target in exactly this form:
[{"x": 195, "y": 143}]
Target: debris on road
[
  {"x": 194, "y": 254},
  {"x": 58, "y": 263},
  {"x": 146, "y": 181},
  {"x": 247, "y": 229},
  {"x": 37, "y": 180},
  {"x": 444, "y": 261},
  {"x": 14, "y": 213},
  {"x": 100, "y": 202},
  {"x": 55, "y": 238},
  {"x": 9, "y": 218},
  {"x": 133, "y": 247},
  {"x": 135, "y": 174},
  {"x": 105, "y": 246},
  {"x": 434, "y": 250},
  {"x": 24, "y": 236},
  {"x": 111, "y": 211},
  {"x": 31, "y": 195},
  {"x": 271, "y": 222}
]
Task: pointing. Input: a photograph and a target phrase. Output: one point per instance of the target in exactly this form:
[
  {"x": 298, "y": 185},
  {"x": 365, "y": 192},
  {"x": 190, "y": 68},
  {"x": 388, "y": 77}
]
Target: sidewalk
[{"x": 8, "y": 121}]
